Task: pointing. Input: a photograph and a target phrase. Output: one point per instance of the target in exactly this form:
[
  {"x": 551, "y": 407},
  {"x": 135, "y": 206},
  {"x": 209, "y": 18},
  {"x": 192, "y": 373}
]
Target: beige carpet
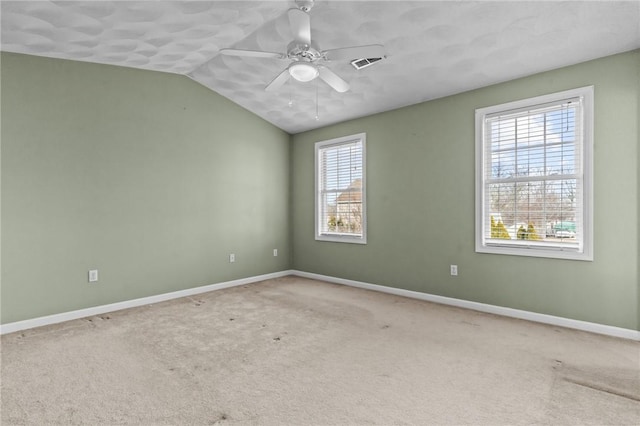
[{"x": 302, "y": 352}]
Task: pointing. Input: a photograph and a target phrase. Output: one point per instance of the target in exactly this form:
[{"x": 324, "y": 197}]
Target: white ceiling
[{"x": 434, "y": 48}]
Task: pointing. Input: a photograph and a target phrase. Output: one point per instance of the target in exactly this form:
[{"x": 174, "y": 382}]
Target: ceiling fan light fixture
[{"x": 303, "y": 71}]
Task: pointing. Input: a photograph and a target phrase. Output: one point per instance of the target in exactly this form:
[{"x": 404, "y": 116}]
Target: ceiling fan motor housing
[{"x": 302, "y": 52}]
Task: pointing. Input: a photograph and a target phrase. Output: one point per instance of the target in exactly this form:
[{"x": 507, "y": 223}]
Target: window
[
  {"x": 534, "y": 176},
  {"x": 340, "y": 190}
]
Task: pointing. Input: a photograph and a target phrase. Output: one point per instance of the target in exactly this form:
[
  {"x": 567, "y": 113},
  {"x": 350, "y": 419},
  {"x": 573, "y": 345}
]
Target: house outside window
[
  {"x": 534, "y": 176},
  {"x": 340, "y": 190}
]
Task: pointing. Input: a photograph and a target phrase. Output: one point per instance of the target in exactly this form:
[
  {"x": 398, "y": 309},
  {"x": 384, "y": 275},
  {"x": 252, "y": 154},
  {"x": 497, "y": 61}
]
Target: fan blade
[
  {"x": 355, "y": 52},
  {"x": 277, "y": 82},
  {"x": 332, "y": 79},
  {"x": 251, "y": 53},
  {"x": 300, "y": 23}
]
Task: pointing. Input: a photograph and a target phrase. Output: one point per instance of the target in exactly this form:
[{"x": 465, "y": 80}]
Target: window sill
[
  {"x": 342, "y": 238},
  {"x": 552, "y": 253}
]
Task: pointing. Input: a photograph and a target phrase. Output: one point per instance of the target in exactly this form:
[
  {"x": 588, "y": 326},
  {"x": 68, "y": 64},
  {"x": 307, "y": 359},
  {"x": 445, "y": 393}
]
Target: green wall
[
  {"x": 154, "y": 180},
  {"x": 420, "y": 194},
  {"x": 148, "y": 177}
]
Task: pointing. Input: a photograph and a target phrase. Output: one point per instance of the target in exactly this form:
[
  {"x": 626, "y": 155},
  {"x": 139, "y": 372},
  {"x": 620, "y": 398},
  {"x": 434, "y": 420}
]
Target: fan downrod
[{"x": 304, "y": 5}]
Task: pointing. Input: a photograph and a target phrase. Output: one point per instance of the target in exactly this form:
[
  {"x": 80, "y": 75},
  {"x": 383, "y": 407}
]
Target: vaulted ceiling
[{"x": 432, "y": 48}]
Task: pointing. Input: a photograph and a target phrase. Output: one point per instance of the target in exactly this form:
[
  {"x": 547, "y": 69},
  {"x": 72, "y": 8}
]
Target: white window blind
[
  {"x": 534, "y": 180},
  {"x": 340, "y": 189}
]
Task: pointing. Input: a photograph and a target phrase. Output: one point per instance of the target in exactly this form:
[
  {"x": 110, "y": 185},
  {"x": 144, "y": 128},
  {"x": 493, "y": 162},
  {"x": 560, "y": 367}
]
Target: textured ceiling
[{"x": 433, "y": 49}]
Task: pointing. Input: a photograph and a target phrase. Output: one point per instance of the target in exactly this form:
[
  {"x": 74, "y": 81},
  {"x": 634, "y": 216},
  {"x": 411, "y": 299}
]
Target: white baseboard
[
  {"x": 97, "y": 310},
  {"x": 608, "y": 330},
  {"x": 482, "y": 307}
]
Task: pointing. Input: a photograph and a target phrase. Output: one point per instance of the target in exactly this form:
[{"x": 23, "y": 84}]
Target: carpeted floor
[{"x": 301, "y": 352}]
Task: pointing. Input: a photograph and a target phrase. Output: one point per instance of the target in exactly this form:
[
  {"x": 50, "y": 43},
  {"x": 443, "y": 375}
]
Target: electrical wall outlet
[
  {"x": 454, "y": 270},
  {"x": 275, "y": 252},
  {"x": 93, "y": 275},
  {"x": 232, "y": 258}
]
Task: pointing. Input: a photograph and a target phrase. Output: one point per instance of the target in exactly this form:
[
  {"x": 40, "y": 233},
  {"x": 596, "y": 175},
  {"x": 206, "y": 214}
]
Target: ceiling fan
[{"x": 306, "y": 58}]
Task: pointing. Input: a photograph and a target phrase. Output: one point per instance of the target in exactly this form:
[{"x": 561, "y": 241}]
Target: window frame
[
  {"x": 584, "y": 251},
  {"x": 338, "y": 237}
]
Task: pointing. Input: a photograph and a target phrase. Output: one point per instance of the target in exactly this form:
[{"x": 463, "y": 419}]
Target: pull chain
[
  {"x": 317, "y": 115},
  {"x": 290, "y": 93}
]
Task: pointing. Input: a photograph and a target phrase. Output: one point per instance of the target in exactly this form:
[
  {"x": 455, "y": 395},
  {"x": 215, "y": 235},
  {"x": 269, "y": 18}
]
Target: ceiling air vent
[{"x": 365, "y": 62}]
